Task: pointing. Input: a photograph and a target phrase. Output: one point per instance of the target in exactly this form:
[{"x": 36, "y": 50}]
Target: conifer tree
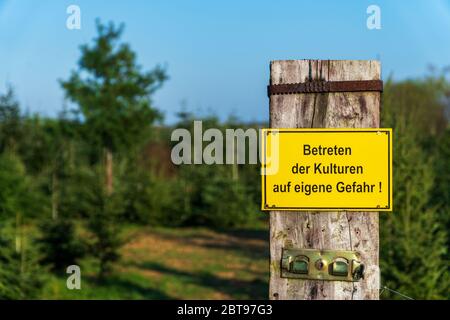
[
  {"x": 113, "y": 96},
  {"x": 413, "y": 241}
]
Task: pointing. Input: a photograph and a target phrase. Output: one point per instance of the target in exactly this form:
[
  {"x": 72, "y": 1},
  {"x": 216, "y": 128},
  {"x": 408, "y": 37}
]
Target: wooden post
[{"x": 324, "y": 230}]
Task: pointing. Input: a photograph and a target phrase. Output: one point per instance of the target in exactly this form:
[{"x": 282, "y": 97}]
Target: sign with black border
[{"x": 326, "y": 169}]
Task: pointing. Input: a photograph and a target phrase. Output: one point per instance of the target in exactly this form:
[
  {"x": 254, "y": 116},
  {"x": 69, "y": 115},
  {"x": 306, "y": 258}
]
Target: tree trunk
[
  {"x": 109, "y": 180},
  {"x": 22, "y": 249},
  {"x": 54, "y": 196},
  {"x": 324, "y": 230},
  {"x": 18, "y": 238}
]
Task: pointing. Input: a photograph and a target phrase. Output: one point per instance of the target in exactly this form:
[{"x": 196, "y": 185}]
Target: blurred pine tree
[{"x": 413, "y": 239}]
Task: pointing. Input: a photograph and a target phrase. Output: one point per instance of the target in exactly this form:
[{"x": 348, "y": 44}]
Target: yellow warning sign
[{"x": 327, "y": 169}]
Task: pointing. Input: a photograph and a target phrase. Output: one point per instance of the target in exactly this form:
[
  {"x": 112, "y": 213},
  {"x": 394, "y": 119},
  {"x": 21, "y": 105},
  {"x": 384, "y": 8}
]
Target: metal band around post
[{"x": 325, "y": 87}]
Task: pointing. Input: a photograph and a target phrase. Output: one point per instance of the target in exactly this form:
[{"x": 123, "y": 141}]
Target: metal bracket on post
[
  {"x": 333, "y": 265},
  {"x": 325, "y": 87}
]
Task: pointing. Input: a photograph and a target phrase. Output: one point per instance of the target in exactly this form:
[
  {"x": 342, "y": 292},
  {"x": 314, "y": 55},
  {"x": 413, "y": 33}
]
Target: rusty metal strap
[{"x": 325, "y": 86}]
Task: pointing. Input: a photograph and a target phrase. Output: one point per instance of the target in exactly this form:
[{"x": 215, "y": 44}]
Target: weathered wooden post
[{"x": 324, "y": 230}]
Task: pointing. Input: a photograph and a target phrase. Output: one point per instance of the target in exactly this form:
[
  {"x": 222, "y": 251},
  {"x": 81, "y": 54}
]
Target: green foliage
[
  {"x": 215, "y": 199},
  {"x": 441, "y": 191},
  {"x": 413, "y": 241},
  {"x": 76, "y": 194},
  {"x": 59, "y": 245},
  {"x": 13, "y": 185},
  {"x": 112, "y": 92},
  {"x": 18, "y": 195},
  {"x": 104, "y": 223},
  {"x": 113, "y": 97},
  {"x": 218, "y": 196},
  {"x": 10, "y": 121},
  {"x": 149, "y": 199},
  {"x": 20, "y": 274}
]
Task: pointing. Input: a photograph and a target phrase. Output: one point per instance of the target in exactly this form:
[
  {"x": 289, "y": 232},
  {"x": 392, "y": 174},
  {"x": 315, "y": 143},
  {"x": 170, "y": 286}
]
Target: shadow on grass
[
  {"x": 127, "y": 289},
  {"x": 248, "y": 234},
  {"x": 252, "y": 243},
  {"x": 238, "y": 289}
]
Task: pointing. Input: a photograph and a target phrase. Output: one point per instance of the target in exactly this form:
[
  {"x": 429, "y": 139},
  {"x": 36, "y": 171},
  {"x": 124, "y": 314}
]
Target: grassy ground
[{"x": 193, "y": 263}]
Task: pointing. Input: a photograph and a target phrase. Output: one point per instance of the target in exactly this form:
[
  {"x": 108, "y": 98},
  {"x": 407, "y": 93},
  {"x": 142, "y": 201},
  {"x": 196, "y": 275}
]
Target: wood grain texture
[{"x": 324, "y": 230}]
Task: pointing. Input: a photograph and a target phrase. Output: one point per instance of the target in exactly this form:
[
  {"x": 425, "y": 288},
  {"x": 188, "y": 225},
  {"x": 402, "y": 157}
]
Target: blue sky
[{"x": 217, "y": 52}]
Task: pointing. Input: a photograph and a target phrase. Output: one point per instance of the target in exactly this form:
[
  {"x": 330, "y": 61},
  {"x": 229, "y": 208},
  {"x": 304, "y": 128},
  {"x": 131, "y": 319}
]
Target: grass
[{"x": 187, "y": 263}]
